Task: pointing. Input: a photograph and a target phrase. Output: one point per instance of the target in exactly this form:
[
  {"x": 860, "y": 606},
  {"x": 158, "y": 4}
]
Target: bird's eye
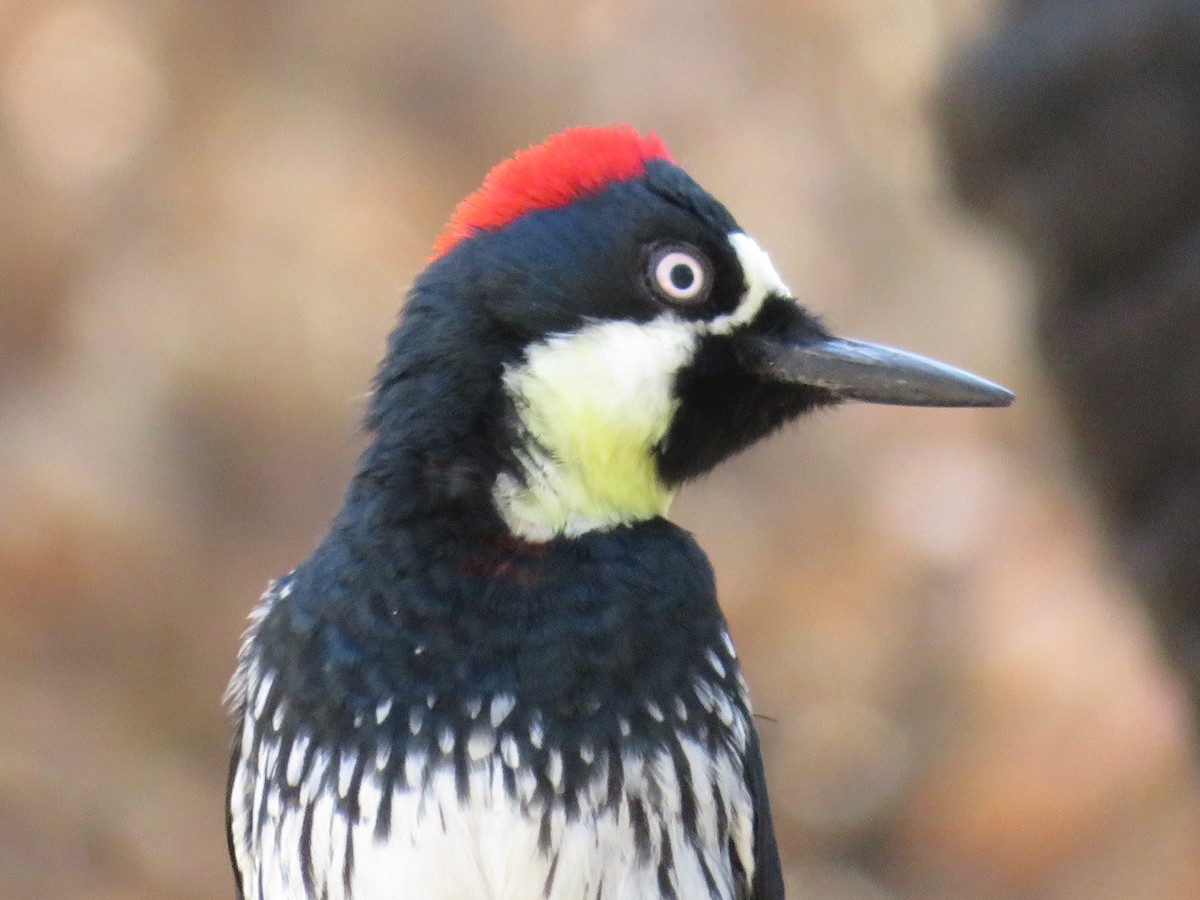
[{"x": 680, "y": 274}]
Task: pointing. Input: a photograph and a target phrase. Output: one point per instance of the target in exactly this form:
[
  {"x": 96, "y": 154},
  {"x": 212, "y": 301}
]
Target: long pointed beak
[{"x": 859, "y": 370}]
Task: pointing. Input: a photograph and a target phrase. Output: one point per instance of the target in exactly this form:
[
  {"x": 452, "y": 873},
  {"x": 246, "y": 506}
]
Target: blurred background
[{"x": 951, "y": 620}]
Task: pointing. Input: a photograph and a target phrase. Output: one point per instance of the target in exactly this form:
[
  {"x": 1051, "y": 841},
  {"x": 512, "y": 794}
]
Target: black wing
[{"x": 767, "y": 883}]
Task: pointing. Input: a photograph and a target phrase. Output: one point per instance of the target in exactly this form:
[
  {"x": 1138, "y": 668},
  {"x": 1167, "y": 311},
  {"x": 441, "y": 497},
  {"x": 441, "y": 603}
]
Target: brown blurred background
[{"x": 208, "y": 214}]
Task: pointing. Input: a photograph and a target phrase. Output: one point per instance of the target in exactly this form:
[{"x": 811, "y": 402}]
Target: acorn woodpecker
[{"x": 503, "y": 674}]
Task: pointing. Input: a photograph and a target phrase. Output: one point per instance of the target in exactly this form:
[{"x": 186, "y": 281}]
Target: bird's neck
[
  {"x": 392, "y": 614},
  {"x": 548, "y": 497}
]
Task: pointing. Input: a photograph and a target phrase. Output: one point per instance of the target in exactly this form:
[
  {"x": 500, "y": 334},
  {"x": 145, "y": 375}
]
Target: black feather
[{"x": 768, "y": 873}]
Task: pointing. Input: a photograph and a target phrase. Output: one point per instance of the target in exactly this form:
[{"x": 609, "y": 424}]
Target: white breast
[{"x": 490, "y": 846}]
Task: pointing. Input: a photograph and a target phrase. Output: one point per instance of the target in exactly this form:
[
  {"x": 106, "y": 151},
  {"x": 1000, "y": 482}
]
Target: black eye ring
[{"x": 679, "y": 274}]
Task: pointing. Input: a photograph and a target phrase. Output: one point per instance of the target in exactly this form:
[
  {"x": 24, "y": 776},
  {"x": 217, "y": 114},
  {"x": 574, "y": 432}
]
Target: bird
[{"x": 503, "y": 673}]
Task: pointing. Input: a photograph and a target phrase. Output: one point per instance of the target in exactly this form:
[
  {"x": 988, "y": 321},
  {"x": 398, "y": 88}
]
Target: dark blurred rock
[{"x": 1076, "y": 125}]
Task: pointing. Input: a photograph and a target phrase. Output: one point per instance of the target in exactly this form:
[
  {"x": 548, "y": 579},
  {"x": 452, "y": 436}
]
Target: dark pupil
[{"x": 682, "y": 276}]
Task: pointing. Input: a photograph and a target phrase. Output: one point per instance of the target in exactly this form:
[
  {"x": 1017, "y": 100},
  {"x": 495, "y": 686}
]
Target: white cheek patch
[
  {"x": 761, "y": 280},
  {"x": 595, "y": 401}
]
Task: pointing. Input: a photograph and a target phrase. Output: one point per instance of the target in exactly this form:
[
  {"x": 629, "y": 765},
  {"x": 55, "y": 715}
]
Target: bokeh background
[{"x": 209, "y": 211}]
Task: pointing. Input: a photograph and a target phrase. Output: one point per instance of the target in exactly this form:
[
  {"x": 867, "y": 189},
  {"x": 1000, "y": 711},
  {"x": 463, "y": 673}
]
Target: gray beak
[{"x": 858, "y": 370}]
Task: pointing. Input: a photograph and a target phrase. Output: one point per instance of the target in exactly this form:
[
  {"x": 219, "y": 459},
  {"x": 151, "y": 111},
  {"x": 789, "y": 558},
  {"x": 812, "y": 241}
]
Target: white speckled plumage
[{"x": 440, "y": 847}]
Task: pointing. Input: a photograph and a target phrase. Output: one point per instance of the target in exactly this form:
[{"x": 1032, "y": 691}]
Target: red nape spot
[{"x": 564, "y": 167}]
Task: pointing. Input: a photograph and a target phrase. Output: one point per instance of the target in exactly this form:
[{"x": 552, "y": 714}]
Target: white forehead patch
[{"x": 761, "y": 280}]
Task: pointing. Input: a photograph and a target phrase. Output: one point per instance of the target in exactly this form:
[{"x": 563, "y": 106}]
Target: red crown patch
[{"x": 566, "y": 166}]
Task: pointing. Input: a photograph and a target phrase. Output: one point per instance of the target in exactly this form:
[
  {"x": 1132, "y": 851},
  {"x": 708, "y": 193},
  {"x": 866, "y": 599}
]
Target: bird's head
[{"x": 600, "y": 327}]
